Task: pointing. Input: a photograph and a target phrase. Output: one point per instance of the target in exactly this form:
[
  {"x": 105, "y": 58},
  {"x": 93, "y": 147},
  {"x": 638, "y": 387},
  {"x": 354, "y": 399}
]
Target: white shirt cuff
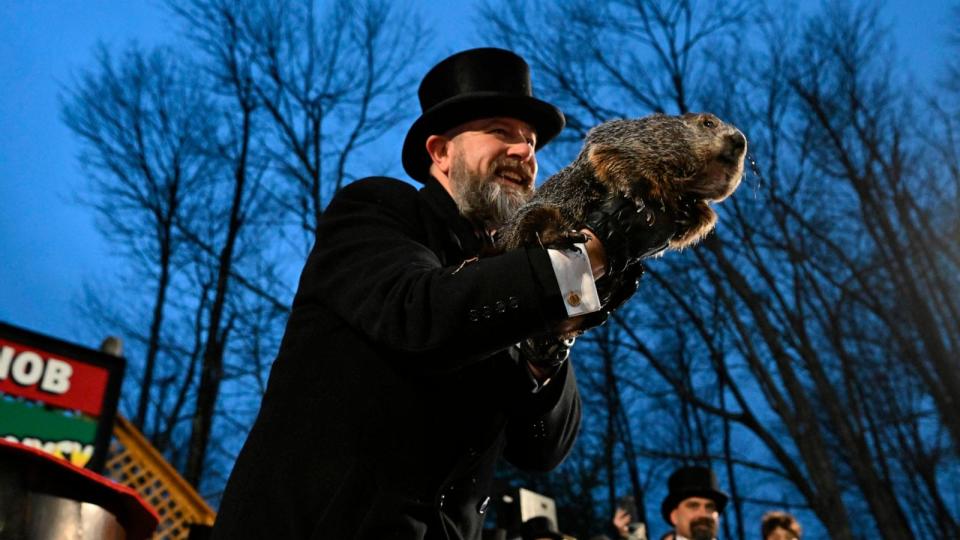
[{"x": 575, "y": 278}]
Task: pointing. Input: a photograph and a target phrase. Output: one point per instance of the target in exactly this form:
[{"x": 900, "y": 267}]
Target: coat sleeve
[
  {"x": 543, "y": 427},
  {"x": 372, "y": 267}
]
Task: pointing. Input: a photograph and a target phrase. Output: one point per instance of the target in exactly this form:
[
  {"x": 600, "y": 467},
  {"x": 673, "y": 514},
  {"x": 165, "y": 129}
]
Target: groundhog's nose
[
  {"x": 735, "y": 145},
  {"x": 737, "y": 142}
]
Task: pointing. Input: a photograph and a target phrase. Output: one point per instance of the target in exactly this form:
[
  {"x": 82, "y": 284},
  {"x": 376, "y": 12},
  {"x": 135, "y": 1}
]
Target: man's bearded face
[
  {"x": 696, "y": 518},
  {"x": 490, "y": 196},
  {"x": 703, "y": 528}
]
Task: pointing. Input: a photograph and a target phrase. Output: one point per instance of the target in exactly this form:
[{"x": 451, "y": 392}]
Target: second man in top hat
[{"x": 693, "y": 503}]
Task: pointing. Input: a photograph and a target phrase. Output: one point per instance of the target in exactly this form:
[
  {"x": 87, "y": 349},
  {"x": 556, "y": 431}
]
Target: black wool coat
[{"x": 393, "y": 394}]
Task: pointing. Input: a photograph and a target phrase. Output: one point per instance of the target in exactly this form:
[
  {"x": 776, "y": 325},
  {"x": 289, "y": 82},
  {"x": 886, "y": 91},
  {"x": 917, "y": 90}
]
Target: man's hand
[
  {"x": 545, "y": 354},
  {"x": 621, "y": 520},
  {"x": 595, "y": 253},
  {"x": 629, "y": 232},
  {"x": 618, "y": 235},
  {"x": 614, "y": 291}
]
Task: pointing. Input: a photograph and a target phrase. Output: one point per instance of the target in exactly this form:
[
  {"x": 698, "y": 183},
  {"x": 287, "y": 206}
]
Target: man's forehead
[
  {"x": 698, "y": 501},
  {"x": 483, "y": 123}
]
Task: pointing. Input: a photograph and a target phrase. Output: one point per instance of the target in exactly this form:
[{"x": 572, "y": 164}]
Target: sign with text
[{"x": 57, "y": 396}]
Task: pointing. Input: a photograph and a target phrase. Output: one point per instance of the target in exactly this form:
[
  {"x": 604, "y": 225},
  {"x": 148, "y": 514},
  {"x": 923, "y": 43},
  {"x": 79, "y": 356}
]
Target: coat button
[
  {"x": 442, "y": 497},
  {"x": 482, "y": 507},
  {"x": 513, "y": 302},
  {"x": 473, "y": 315},
  {"x": 487, "y": 312},
  {"x": 500, "y": 306}
]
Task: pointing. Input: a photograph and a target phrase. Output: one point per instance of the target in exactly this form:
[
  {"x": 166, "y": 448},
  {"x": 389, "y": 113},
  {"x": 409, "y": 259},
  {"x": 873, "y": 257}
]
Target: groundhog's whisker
[{"x": 756, "y": 172}]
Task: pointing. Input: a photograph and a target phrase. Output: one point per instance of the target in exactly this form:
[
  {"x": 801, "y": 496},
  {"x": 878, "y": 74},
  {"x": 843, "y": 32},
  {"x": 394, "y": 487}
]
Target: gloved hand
[
  {"x": 629, "y": 232},
  {"x": 614, "y": 290},
  {"x": 546, "y": 352}
]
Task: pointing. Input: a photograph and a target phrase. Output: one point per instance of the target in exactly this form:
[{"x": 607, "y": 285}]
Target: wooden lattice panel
[{"x": 134, "y": 462}]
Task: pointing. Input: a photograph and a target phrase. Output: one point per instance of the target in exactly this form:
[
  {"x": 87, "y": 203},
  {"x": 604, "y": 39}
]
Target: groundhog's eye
[{"x": 708, "y": 123}]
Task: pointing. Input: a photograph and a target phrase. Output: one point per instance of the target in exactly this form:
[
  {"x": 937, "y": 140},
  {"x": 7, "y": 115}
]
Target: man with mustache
[
  {"x": 415, "y": 357},
  {"x": 693, "y": 504}
]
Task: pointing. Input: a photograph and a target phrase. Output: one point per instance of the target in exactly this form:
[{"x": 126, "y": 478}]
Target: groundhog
[{"x": 679, "y": 164}]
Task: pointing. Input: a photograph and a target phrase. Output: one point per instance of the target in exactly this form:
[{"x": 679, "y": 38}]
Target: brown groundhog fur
[{"x": 676, "y": 163}]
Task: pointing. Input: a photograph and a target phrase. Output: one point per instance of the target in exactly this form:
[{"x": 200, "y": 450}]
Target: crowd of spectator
[{"x": 692, "y": 509}]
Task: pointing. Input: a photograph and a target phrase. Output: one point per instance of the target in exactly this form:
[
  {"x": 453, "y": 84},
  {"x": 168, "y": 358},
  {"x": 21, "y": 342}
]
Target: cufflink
[{"x": 573, "y": 299}]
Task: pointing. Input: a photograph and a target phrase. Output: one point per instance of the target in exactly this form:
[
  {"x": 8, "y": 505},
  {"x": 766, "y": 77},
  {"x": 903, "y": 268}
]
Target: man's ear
[
  {"x": 438, "y": 148},
  {"x": 673, "y": 517}
]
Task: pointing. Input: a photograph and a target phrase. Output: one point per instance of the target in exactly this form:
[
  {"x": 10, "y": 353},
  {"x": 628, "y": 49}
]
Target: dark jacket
[{"x": 393, "y": 394}]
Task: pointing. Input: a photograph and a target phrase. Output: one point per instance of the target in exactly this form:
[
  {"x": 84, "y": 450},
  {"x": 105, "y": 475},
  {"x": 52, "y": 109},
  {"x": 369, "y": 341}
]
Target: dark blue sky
[{"x": 48, "y": 243}]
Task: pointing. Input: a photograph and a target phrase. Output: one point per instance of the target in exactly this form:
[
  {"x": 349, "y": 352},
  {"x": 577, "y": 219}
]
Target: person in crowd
[
  {"x": 624, "y": 520},
  {"x": 693, "y": 503},
  {"x": 778, "y": 525}
]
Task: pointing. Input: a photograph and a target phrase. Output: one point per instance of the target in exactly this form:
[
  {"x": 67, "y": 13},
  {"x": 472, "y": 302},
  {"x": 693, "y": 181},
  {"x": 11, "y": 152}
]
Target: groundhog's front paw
[
  {"x": 556, "y": 239},
  {"x": 540, "y": 225},
  {"x": 694, "y": 221}
]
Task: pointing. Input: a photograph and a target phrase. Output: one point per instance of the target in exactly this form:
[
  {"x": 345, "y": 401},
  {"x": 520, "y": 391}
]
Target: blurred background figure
[
  {"x": 777, "y": 525},
  {"x": 540, "y": 528},
  {"x": 624, "y": 520}
]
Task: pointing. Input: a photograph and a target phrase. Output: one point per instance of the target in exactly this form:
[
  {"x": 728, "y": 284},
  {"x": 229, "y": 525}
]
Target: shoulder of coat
[{"x": 380, "y": 185}]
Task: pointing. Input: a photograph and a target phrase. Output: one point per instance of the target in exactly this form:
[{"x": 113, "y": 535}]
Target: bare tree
[
  {"x": 293, "y": 79},
  {"x": 210, "y": 174},
  {"x": 330, "y": 80},
  {"x": 820, "y": 319},
  {"x": 143, "y": 127}
]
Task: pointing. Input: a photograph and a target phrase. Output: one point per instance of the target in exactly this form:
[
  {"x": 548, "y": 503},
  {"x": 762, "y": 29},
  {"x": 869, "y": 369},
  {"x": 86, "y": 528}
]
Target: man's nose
[{"x": 521, "y": 150}]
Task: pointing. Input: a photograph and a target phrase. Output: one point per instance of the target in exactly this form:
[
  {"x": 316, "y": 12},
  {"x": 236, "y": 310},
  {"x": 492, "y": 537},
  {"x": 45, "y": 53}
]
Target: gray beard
[
  {"x": 703, "y": 529},
  {"x": 481, "y": 199}
]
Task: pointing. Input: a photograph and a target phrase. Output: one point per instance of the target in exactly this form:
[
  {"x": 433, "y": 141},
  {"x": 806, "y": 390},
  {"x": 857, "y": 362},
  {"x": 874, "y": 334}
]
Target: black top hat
[
  {"x": 478, "y": 83},
  {"x": 539, "y": 527},
  {"x": 692, "y": 482}
]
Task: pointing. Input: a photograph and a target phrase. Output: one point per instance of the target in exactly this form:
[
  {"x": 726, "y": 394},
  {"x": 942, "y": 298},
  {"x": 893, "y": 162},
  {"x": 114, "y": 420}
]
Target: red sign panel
[
  {"x": 33, "y": 373},
  {"x": 57, "y": 396}
]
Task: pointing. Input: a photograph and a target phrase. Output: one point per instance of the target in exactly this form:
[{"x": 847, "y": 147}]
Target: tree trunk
[
  {"x": 156, "y": 322},
  {"x": 211, "y": 372}
]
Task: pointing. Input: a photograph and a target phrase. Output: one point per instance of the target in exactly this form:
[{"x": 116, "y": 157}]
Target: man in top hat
[
  {"x": 693, "y": 504},
  {"x": 412, "y": 361}
]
